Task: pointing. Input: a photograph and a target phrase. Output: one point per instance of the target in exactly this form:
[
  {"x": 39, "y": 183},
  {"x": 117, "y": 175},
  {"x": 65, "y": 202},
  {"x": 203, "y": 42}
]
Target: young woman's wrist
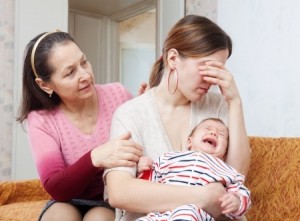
[{"x": 237, "y": 101}]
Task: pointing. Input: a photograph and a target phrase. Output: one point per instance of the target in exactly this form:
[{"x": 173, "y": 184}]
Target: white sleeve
[{"x": 117, "y": 128}]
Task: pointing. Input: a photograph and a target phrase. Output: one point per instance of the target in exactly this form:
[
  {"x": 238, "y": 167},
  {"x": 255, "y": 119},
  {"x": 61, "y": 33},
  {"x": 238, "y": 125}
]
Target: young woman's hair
[
  {"x": 192, "y": 36},
  {"x": 33, "y": 98}
]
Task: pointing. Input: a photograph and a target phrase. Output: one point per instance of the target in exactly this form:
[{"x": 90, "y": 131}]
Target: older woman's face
[
  {"x": 191, "y": 83},
  {"x": 72, "y": 78}
]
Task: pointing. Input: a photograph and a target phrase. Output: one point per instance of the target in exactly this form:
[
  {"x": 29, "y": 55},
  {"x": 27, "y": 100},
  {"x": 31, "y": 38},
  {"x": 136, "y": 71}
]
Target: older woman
[{"x": 68, "y": 120}]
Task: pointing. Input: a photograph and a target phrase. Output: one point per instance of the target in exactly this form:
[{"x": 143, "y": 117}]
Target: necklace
[
  {"x": 92, "y": 115},
  {"x": 83, "y": 121}
]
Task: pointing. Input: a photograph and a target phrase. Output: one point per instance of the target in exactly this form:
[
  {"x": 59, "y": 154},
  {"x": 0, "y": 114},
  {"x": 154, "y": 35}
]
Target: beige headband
[{"x": 34, "y": 49}]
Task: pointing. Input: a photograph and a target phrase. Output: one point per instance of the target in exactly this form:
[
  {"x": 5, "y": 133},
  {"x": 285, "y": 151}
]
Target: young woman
[{"x": 193, "y": 59}]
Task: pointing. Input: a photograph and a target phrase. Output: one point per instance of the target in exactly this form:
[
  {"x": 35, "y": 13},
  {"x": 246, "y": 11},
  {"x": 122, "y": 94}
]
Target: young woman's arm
[
  {"x": 239, "y": 152},
  {"x": 132, "y": 194}
]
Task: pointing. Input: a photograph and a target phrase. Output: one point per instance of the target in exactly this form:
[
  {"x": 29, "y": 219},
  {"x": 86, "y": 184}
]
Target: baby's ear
[{"x": 189, "y": 143}]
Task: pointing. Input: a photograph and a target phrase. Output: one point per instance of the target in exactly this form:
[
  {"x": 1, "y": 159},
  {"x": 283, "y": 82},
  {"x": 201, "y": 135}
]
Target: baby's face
[{"x": 211, "y": 136}]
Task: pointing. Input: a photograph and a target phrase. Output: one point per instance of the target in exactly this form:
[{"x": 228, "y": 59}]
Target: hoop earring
[{"x": 172, "y": 92}]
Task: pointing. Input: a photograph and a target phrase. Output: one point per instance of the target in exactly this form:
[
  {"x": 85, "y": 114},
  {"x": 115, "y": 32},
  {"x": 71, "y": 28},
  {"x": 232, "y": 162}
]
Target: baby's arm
[
  {"x": 145, "y": 163},
  {"x": 236, "y": 202},
  {"x": 230, "y": 203}
]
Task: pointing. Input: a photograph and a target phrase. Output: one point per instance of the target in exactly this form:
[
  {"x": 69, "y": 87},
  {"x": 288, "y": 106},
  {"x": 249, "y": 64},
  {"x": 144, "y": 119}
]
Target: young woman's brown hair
[{"x": 192, "y": 36}]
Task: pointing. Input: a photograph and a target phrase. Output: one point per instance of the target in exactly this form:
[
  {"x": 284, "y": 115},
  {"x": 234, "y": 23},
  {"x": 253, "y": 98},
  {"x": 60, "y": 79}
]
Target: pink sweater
[{"x": 62, "y": 153}]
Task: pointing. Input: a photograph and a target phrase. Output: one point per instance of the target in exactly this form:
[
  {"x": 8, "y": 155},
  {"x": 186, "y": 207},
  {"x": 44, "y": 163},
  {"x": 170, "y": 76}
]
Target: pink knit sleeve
[
  {"x": 79, "y": 179},
  {"x": 60, "y": 181}
]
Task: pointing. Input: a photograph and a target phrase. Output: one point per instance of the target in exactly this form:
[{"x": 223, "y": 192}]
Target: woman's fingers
[
  {"x": 123, "y": 159},
  {"x": 120, "y": 151},
  {"x": 125, "y": 136},
  {"x": 124, "y": 140},
  {"x": 219, "y": 75},
  {"x": 143, "y": 88},
  {"x": 123, "y": 145},
  {"x": 130, "y": 154},
  {"x": 117, "y": 159},
  {"x": 125, "y": 151},
  {"x": 212, "y": 72}
]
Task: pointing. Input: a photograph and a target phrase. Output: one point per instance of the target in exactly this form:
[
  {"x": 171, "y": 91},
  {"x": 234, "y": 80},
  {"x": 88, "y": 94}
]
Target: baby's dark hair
[
  {"x": 214, "y": 119},
  {"x": 210, "y": 118}
]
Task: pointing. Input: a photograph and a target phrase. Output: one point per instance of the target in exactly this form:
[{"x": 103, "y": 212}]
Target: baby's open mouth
[{"x": 210, "y": 141}]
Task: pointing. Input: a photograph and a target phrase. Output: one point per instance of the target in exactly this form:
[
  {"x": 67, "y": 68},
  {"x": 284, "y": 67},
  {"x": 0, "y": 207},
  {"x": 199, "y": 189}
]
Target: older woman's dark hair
[{"x": 33, "y": 98}]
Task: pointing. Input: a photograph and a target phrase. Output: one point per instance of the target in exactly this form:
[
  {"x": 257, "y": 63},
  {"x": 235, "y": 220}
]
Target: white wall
[
  {"x": 168, "y": 13},
  {"x": 31, "y": 18},
  {"x": 265, "y": 62}
]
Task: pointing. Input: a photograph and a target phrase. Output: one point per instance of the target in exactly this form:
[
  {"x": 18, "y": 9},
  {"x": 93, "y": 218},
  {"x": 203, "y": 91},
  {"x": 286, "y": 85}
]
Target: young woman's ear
[
  {"x": 44, "y": 86},
  {"x": 172, "y": 58}
]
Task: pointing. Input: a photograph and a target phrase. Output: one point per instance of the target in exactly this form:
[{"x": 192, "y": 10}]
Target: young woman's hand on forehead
[{"x": 215, "y": 73}]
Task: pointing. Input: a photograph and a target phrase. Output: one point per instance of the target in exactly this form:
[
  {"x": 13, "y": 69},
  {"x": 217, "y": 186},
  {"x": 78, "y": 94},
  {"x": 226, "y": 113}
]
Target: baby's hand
[
  {"x": 229, "y": 203},
  {"x": 145, "y": 163}
]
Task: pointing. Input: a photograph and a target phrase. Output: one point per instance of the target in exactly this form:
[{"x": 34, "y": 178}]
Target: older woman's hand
[
  {"x": 117, "y": 152},
  {"x": 143, "y": 88}
]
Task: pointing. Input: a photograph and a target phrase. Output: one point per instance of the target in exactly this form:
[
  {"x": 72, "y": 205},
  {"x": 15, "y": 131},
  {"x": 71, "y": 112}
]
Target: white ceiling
[{"x": 105, "y": 7}]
